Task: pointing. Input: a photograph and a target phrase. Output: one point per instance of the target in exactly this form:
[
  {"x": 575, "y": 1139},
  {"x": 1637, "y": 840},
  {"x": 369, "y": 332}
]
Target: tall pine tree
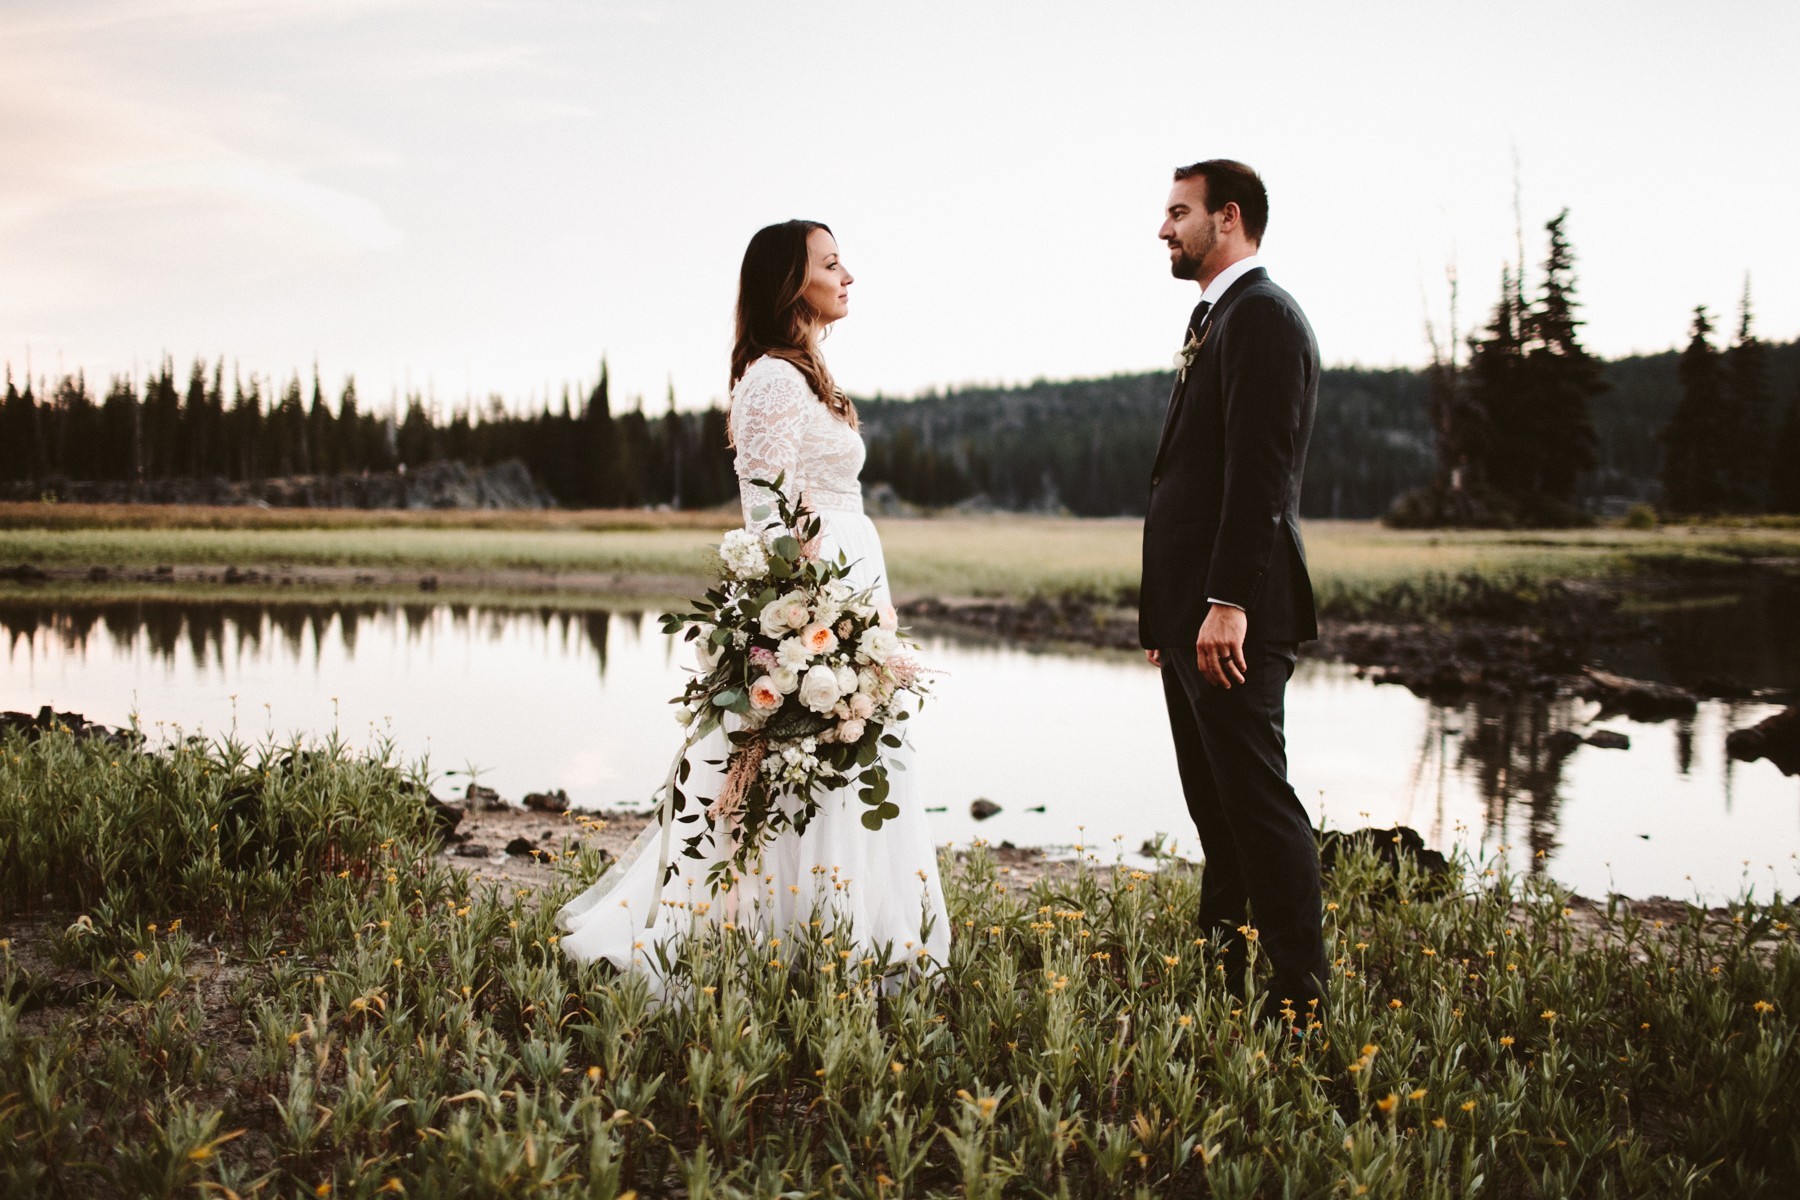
[
  {"x": 597, "y": 473},
  {"x": 1692, "y": 478},
  {"x": 1751, "y": 424},
  {"x": 321, "y": 430},
  {"x": 1493, "y": 383},
  {"x": 1561, "y": 380}
]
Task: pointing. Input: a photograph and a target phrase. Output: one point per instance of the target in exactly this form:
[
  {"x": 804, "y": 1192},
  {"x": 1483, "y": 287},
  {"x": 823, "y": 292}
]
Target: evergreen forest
[{"x": 1516, "y": 425}]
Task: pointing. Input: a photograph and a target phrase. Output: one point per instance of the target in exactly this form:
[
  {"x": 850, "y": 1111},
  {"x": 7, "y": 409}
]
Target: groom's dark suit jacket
[{"x": 1224, "y": 516}]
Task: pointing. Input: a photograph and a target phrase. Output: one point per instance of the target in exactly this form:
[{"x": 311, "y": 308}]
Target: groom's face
[{"x": 1189, "y": 230}]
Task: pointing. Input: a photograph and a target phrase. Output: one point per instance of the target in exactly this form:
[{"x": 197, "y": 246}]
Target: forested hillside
[
  {"x": 1083, "y": 446},
  {"x": 1087, "y": 445}
]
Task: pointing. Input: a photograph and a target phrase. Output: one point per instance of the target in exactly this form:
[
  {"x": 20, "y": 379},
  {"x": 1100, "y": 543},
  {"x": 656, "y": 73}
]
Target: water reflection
[
  {"x": 534, "y": 697},
  {"x": 206, "y": 634}
]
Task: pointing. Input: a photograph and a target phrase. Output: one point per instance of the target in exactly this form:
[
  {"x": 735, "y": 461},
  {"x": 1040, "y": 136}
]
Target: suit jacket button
[{"x": 1155, "y": 479}]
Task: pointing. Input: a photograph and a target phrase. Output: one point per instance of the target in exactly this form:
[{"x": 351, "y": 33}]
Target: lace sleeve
[{"x": 768, "y": 418}]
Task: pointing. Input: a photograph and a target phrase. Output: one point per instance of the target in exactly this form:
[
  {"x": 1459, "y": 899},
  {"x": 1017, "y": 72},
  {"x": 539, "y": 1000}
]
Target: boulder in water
[{"x": 1775, "y": 738}]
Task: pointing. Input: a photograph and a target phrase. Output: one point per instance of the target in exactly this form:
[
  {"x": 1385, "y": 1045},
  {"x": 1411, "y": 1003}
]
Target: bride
[{"x": 789, "y": 421}]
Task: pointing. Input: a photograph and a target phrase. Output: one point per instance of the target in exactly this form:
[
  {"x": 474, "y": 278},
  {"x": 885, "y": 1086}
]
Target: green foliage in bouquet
[{"x": 807, "y": 676}]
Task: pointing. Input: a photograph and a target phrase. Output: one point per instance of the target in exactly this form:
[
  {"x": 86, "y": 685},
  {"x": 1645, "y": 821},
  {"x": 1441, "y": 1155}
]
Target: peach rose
[
  {"x": 765, "y": 697},
  {"x": 818, "y": 639}
]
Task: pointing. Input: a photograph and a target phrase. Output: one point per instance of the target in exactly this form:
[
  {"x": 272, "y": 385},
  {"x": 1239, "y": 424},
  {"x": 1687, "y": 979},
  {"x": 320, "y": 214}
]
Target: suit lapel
[{"x": 1182, "y": 382}]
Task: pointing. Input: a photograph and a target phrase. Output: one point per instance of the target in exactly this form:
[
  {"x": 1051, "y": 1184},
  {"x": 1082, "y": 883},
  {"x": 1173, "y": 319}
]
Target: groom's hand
[
  {"x": 1220, "y": 646},
  {"x": 1155, "y": 657}
]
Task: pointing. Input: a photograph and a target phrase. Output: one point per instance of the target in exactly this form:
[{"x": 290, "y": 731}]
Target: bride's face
[{"x": 827, "y": 282}]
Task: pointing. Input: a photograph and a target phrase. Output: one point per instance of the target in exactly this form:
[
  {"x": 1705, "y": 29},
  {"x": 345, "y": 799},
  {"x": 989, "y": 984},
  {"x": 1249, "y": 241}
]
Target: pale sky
[{"x": 486, "y": 197}]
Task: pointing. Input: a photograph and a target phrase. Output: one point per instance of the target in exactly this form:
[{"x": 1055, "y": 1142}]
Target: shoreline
[{"x": 1019, "y": 869}]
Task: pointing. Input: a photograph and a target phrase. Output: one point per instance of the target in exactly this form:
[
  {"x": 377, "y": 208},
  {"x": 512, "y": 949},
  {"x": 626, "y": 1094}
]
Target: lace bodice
[{"x": 780, "y": 426}]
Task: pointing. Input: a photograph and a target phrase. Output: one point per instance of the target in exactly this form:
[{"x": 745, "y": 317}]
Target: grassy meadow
[
  {"x": 1004, "y": 556},
  {"x": 244, "y": 972}
]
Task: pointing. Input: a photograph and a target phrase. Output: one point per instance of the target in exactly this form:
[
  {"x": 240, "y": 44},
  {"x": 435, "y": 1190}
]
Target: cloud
[
  {"x": 352, "y": 218},
  {"x": 74, "y": 138}
]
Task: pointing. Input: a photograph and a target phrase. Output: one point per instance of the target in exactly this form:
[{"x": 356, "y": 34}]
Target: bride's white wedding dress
[{"x": 881, "y": 885}]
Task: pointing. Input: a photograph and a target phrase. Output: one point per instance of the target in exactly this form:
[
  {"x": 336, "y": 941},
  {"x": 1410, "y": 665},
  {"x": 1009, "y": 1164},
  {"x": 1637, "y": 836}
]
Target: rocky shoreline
[{"x": 1544, "y": 646}]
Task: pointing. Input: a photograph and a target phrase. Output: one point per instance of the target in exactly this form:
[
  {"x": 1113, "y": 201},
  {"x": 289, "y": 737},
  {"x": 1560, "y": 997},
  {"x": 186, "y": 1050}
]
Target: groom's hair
[{"x": 1229, "y": 182}]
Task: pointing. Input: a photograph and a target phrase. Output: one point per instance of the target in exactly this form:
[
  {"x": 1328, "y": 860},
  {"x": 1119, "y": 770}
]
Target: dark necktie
[{"x": 1197, "y": 322}]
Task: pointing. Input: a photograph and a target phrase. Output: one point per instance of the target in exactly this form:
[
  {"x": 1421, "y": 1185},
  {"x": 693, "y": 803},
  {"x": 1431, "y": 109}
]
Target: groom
[{"x": 1225, "y": 598}]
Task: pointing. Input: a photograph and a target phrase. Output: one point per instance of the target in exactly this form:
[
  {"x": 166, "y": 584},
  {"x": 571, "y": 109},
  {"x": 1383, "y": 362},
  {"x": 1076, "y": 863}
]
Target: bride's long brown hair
[{"x": 773, "y": 317}]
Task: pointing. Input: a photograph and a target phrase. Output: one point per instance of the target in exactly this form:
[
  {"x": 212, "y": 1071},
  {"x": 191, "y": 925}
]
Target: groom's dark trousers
[{"x": 1223, "y": 525}]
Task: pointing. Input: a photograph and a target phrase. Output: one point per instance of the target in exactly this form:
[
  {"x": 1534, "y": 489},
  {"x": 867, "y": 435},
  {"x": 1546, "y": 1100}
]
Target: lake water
[{"x": 536, "y": 698}]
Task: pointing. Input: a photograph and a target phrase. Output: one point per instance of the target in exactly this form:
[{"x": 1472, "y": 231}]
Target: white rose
[
  {"x": 819, "y": 689},
  {"x": 764, "y": 696},
  {"x": 889, "y": 618},
  {"x": 793, "y": 610},
  {"x": 785, "y": 679},
  {"x": 773, "y": 620},
  {"x": 867, "y": 682},
  {"x": 846, "y": 680},
  {"x": 850, "y": 732},
  {"x": 792, "y": 653},
  {"x": 877, "y": 644}
]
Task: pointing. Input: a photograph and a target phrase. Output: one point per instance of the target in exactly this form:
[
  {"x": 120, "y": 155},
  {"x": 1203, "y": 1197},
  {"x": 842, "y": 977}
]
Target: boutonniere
[{"x": 1190, "y": 352}]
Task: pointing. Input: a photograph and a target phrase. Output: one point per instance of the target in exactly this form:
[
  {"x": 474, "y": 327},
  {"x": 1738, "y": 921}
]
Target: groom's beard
[{"x": 1186, "y": 263}]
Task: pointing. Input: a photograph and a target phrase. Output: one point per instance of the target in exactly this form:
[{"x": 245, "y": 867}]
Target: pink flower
[
  {"x": 861, "y": 706},
  {"x": 889, "y": 619},
  {"x": 762, "y": 658},
  {"x": 902, "y": 669},
  {"x": 850, "y": 732}
]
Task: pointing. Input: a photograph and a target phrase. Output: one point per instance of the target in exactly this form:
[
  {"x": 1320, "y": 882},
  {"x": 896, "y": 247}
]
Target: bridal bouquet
[{"x": 816, "y": 675}]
